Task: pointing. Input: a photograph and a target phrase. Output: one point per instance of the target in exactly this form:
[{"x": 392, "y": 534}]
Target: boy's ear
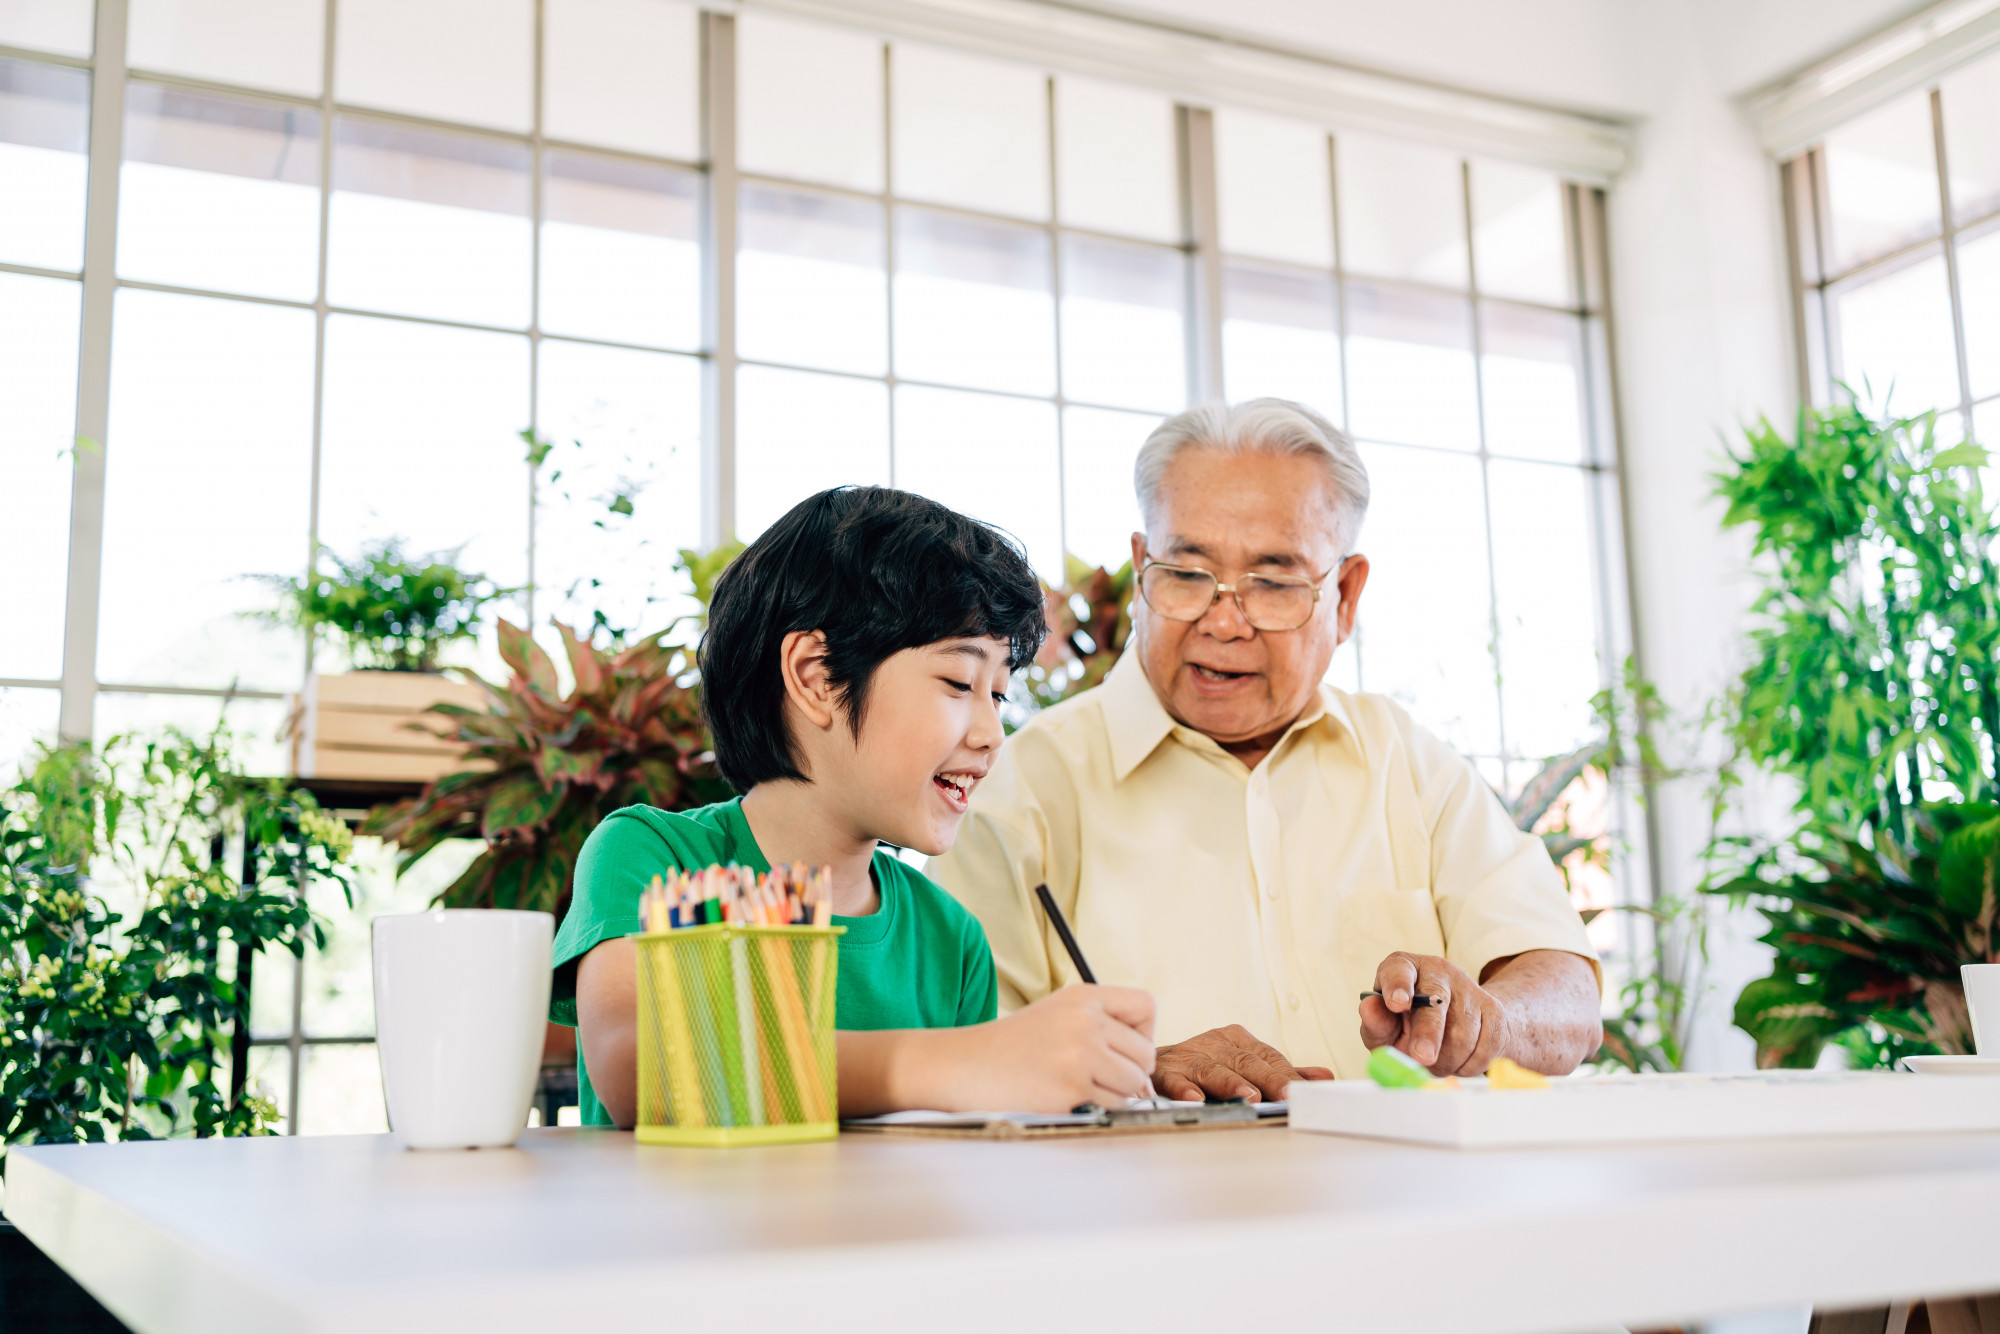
[{"x": 802, "y": 664}]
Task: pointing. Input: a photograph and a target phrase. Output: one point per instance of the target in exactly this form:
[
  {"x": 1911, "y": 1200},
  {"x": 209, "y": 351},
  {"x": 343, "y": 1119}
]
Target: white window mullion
[
  {"x": 1199, "y": 214},
  {"x": 93, "y": 381},
  {"x": 718, "y": 471}
]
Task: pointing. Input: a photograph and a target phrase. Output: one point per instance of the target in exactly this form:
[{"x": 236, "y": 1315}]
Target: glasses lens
[
  {"x": 1271, "y": 605},
  {"x": 1178, "y": 595}
]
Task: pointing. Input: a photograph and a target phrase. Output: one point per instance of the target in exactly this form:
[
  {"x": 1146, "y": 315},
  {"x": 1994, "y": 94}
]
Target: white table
[{"x": 582, "y": 1230}]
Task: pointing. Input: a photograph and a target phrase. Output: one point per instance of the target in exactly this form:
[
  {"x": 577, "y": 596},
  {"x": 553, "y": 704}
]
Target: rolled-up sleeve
[{"x": 1497, "y": 893}]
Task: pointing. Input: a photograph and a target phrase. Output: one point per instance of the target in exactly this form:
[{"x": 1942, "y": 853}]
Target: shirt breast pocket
[{"x": 1375, "y": 923}]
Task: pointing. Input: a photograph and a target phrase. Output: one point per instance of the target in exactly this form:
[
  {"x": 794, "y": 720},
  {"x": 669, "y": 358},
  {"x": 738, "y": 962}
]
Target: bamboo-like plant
[
  {"x": 1872, "y": 669},
  {"x": 1872, "y": 683},
  {"x": 556, "y": 763}
]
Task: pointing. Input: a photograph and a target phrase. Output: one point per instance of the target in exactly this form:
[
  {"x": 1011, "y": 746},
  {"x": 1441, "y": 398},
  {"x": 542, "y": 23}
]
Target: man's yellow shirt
[{"x": 1258, "y": 896}]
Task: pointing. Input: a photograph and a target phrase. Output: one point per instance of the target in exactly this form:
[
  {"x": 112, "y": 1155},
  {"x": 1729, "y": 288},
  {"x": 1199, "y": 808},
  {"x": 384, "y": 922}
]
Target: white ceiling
[{"x": 1609, "y": 55}]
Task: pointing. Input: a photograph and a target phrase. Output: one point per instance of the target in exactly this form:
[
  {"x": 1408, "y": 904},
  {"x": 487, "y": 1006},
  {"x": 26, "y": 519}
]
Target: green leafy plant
[
  {"x": 1090, "y": 621},
  {"x": 115, "y": 1024},
  {"x": 705, "y": 567},
  {"x": 391, "y": 611},
  {"x": 552, "y": 764},
  {"x": 1872, "y": 669},
  {"x": 1872, "y": 685},
  {"x": 1869, "y": 938}
]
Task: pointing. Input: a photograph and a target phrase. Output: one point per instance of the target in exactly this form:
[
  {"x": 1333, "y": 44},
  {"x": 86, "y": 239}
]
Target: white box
[{"x": 1628, "y": 1108}]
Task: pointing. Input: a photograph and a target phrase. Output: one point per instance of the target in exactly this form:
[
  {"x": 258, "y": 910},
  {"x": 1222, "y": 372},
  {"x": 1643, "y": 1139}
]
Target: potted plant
[
  {"x": 1872, "y": 685},
  {"x": 394, "y": 615},
  {"x": 545, "y": 765}
]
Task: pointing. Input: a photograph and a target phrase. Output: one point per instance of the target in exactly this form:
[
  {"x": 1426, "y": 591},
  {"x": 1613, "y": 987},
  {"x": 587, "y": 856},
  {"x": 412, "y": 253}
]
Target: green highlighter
[{"x": 1393, "y": 1069}]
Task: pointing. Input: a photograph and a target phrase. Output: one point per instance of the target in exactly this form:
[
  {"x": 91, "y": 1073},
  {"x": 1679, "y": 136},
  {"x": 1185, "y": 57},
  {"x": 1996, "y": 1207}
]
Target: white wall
[
  {"x": 1698, "y": 272},
  {"x": 1698, "y": 275}
]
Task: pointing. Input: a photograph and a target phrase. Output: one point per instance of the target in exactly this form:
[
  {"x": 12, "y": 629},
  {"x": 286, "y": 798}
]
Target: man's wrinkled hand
[
  {"x": 1227, "y": 1063},
  {"x": 1459, "y": 1033}
]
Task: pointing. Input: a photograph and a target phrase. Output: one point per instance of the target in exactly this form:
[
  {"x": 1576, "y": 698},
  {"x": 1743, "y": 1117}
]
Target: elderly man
[{"x": 1255, "y": 847}]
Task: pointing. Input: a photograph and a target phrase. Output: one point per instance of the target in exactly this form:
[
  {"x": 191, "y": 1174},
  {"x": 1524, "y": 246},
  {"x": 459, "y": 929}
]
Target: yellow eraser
[
  {"x": 1449, "y": 1084},
  {"x": 1506, "y": 1074}
]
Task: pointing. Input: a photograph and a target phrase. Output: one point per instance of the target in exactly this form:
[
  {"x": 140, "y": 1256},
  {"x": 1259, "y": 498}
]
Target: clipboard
[{"x": 1160, "y": 1116}]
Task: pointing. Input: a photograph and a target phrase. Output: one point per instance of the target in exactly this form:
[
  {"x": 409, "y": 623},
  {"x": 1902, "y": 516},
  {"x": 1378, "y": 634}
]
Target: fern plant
[{"x": 390, "y": 610}]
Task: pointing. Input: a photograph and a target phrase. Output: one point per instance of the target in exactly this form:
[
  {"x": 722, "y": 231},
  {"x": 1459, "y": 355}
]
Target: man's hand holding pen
[{"x": 1431, "y": 1009}]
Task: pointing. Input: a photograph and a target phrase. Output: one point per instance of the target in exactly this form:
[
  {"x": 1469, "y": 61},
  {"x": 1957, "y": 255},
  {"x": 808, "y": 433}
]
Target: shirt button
[
  {"x": 1270, "y": 891},
  {"x": 1293, "y": 1000}
]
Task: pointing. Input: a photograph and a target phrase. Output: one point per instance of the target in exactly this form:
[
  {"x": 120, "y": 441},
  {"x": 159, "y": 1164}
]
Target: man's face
[{"x": 1232, "y": 516}]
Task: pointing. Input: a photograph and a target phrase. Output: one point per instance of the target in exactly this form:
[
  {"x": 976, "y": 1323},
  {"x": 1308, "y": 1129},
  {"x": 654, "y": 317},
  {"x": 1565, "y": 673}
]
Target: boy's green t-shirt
[{"x": 919, "y": 961}]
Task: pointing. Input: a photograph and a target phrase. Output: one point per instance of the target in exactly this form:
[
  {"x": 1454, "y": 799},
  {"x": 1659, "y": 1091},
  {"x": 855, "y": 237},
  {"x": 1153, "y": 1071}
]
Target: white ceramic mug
[
  {"x": 461, "y": 1007},
  {"x": 1982, "y": 999}
]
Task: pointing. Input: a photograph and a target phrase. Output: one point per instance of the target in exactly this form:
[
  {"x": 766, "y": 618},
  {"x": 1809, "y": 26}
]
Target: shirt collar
[
  {"x": 740, "y": 845},
  {"x": 1136, "y": 722},
  {"x": 1134, "y": 718}
]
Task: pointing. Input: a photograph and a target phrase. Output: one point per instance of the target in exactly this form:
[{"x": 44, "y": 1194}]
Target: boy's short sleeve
[
  {"x": 979, "y": 996},
  {"x": 618, "y": 861}
]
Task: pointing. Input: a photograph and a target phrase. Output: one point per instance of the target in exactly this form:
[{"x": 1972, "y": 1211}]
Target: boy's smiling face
[{"x": 929, "y": 732}]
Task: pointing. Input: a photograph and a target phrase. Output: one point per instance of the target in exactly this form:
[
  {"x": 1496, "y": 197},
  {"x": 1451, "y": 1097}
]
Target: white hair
[{"x": 1270, "y": 426}]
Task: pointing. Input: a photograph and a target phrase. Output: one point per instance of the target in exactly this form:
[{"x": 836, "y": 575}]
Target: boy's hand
[{"x": 1082, "y": 1044}]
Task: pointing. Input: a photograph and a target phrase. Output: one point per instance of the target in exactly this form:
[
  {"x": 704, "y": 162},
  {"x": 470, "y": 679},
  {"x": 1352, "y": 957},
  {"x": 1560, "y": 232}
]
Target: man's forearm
[{"x": 1553, "y": 1009}]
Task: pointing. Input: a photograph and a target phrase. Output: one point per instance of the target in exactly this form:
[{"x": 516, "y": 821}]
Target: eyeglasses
[{"x": 1268, "y": 602}]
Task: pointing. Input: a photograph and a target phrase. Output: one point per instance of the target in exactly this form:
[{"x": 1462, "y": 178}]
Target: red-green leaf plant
[
  {"x": 544, "y": 766},
  {"x": 1090, "y": 620}
]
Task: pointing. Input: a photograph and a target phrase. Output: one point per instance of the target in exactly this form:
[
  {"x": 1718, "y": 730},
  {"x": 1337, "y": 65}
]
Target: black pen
[
  {"x": 1062, "y": 929},
  {"x": 1061, "y": 924},
  {"x": 1417, "y": 1002}
]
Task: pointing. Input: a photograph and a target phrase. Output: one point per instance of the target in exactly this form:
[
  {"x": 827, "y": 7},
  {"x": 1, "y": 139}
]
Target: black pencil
[
  {"x": 1062, "y": 929},
  {"x": 1417, "y": 1002}
]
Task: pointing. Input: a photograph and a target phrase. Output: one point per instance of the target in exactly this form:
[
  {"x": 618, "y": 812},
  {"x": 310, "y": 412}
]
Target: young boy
[{"x": 852, "y": 673}]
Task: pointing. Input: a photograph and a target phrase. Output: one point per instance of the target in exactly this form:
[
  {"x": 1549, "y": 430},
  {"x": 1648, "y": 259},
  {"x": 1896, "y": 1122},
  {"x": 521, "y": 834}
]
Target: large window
[
  {"x": 956, "y": 276},
  {"x": 1896, "y": 232},
  {"x": 1444, "y": 312},
  {"x": 302, "y": 272}
]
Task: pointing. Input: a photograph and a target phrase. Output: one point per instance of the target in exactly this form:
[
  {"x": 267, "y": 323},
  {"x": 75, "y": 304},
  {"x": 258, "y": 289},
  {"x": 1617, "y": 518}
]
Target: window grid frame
[
  {"x": 1201, "y": 311},
  {"x": 1807, "y": 210},
  {"x": 1052, "y": 228},
  {"x": 1585, "y": 249}
]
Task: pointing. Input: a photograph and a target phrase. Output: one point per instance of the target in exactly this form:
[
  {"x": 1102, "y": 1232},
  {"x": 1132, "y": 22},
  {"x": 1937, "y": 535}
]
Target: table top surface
[{"x": 353, "y": 1232}]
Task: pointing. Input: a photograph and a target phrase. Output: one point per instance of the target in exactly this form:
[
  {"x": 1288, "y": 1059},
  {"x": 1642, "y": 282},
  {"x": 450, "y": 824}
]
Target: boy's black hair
[{"x": 877, "y": 571}]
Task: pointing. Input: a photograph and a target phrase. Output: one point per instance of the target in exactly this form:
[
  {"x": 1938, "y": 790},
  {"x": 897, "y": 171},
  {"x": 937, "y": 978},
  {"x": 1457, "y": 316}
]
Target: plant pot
[{"x": 371, "y": 725}]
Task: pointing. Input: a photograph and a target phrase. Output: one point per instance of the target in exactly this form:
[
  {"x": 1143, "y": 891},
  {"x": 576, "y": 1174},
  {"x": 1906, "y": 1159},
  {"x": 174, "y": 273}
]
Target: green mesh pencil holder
[{"x": 736, "y": 1034}]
